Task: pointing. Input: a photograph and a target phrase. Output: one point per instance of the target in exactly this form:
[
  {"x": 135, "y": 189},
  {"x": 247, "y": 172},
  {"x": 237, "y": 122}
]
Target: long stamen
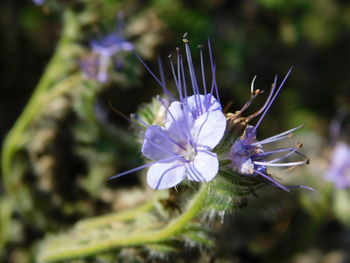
[
  {"x": 202, "y": 69},
  {"x": 161, "y": 72},
  {"x": 206, "y": 103},
  {"x": 285, "y": 156},
  {"x": 193, "y": 77},
  {"x": 301, "y": 186},
  {"x": 179, "y": 72},
  {"x": 177, "y": 82},
  {"x": 280, "y": 164},
  {"x": 264, "y": 106},
  {"x": 290, "y": 151},
  {"x": 213, "y": 69},
  {"x": 272, "y": 180},
  {"x": 183, "y": 78},
  {"x": 156, "y": 78},
  {"x": 277, "y": 137},
  {"x": 273, "y": 98},
  {"x": 143, "y": 166}
]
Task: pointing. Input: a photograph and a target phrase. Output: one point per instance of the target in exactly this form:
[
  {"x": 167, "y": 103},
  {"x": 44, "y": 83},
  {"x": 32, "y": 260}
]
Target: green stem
[
  {"x": 54, "y": 73},
  {"x": 169, "y": 232},
  {"x": 119, "y": 216}
]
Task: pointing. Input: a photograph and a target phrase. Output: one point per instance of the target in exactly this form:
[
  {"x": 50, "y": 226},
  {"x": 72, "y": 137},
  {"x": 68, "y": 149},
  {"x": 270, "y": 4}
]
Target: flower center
[{"x": 189, "y": 153}]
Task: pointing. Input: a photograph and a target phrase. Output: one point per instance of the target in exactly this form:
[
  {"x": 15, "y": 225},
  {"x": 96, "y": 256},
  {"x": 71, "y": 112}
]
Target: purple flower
[
  {"x": 104, "y": 51},
  {"x": 339, "y": 169},
  {"x": 38, "y": 2},
  {"x": 106, "y": 48},
  {"x": 247, "y": 154},
  {"x": 194, "y": 125},
  {"x": 182, "y": 148}
]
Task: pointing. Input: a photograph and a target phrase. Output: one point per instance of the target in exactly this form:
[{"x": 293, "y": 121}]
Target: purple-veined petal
[
  {"x": 157, "y": 144},
  {"x": 204, "y": 167},
  {"x": 166, "y": 175},
  {"x": 209, "y": 129}
]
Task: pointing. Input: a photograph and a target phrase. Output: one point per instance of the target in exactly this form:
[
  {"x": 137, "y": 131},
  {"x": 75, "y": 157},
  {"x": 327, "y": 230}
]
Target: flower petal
[
  {"x": 204, "y": 167},
  {"x": 209, "y": 129},
  {"x": 157, "y": 144},
  {"x": 166, "y": 175},
  {"x": 199, "y": 104},
  {"x": 178, "y": 121}
]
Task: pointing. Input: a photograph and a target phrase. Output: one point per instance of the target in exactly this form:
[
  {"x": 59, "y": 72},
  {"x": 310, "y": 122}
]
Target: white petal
[
  {"x": 157, "y": 144},
  {"x": 209, "y": 129},
  {"x": 165, "y": 175},
  {"x": 204, "y": 167}
]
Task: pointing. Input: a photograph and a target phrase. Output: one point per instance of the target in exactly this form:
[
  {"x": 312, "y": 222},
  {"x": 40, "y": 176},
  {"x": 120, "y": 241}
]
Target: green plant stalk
[
  {"x": 169, "y": 232},
  {"x": 54, "y": 73},
  {"x": 119, "y": 216}
]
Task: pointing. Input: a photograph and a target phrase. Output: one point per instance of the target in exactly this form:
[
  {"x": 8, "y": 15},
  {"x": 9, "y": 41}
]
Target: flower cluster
[
  {"x": 195, "y": 127},
  {"x": 247, "y": 154}
]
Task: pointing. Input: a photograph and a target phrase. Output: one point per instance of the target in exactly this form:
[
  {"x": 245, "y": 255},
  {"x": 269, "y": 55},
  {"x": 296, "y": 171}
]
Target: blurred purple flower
[
  {"x": 38, "y": 2},
  {"x": 247, "y": 154},
  {"x": 194, "y": 125},
  {"x": 104, "y": 52},
  {"x": 339, "y": 169}
]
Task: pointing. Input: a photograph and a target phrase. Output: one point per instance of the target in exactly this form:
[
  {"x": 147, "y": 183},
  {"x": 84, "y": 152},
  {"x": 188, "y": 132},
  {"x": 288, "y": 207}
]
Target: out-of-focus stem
[
  {"x": 56, "y": 72},
  {"x": 168, "y": 232}
]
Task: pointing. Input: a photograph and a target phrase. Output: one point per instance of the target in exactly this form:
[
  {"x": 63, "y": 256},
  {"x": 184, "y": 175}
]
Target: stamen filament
[
  {"x": 143, "y": 166},
  {"x": 155, "y": 77},
  {"x": 277, "y": 137},
  {"x": 280, "y": 164}
]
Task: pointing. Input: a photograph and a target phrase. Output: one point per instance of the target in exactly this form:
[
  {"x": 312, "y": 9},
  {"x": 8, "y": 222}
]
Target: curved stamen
[
  {"x": 273, "y": 98},
  {"x": 265, "y": 104}
]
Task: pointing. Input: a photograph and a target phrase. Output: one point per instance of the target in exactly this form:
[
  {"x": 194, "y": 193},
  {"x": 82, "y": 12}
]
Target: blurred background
[{"x": 65, "y": 139}]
